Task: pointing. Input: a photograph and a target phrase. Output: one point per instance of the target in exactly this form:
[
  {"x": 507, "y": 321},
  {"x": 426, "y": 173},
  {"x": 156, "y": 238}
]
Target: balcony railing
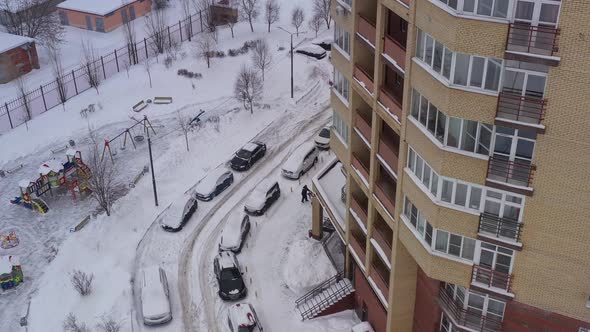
[
  {"x": 365, "y": 79},
  {"x": 358, "y": 165},
  {"x": 491, "y": 278},
  {"x": 366, "y": 29},
  {"x": 389, "y": 154},
  {"x": 468, "y": 317},
  {"x": 510, "y": 172},
  {"x": 380, "y": 281},
  {"x": 390, "y": 103},
  {"x": 383, "y": 240},
  {"x": 524, "y": 109},
  {"x": 532, "y": 39},
  {"x": 502, "y": 228},
  {"x": 387, "y": 202},
  {"x": 363, "y": 126},
  {"x": 396, "y": 51},
  {"x": 359, "y": 248},
  {"x": 360, "y": 212}
]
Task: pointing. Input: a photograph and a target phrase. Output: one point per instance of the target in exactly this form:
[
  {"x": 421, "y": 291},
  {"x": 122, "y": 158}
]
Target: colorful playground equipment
[
  {"x": 9, "y": 240},
  {"x": 71, "y": 175},
  {"x": 11, "y": 274}
]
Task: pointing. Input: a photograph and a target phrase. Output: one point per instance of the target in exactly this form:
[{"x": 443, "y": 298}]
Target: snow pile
[{"x": 307, "y": 265}]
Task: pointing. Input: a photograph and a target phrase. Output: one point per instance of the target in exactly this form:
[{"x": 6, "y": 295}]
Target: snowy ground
[{"x": 116, "y": 248}]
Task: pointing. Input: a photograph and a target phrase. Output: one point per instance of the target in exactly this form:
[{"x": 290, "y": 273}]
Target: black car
[
  {"x": 178, "y": 214},
  {"x": 229, "y": 277},
  {"x": 247, "y": 156},
  {"x": 214, "y": 184}
]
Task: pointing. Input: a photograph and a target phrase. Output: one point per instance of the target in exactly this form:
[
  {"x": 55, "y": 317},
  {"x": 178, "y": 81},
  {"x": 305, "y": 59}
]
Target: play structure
[
  {"x": 9, "y": 240},
  {"x": 54, "y": 175},
  {"x": 11, "y": 274},
  {"x": 135, "y": 133}
]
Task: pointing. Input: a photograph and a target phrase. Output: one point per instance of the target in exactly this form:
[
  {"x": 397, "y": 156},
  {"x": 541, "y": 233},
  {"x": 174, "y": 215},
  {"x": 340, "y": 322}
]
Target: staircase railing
[
  {"x": 331, "y": 296},
  {"x": 319, "y": 288}
]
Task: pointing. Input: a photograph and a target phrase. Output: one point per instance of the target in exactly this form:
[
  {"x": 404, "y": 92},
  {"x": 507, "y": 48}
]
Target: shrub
[{"x": 82, "y": 282}]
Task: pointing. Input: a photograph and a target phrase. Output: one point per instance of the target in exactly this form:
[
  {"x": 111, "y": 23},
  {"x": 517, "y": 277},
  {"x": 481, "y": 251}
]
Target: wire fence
[{"x": 40, "y": 100}]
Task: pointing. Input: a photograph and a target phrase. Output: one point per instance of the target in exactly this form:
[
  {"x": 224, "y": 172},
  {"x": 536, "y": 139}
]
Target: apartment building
[{"x": 460, "y": 188}]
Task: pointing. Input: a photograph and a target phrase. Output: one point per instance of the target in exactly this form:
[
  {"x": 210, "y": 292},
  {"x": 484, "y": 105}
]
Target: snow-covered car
[
  {"x": 262, "y": 197},
  {"x": 312, "y": 50},
  {"x": 179, "y": 213},
  {"x": 300, "y": 161},
  {"x": 229, "y": 276},
  {"x": 242, "y": 317},
  {"x": 246, "y": 157},
  {"x": 322, "y": 139},
  {"x": 214, "y": 184},
  {"x": 155, "y": 298},
  {"x": 235, "y": 231}
]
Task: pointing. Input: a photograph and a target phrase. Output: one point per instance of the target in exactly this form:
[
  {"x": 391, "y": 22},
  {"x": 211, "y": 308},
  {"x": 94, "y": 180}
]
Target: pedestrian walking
[{"x": 304, "y": 192}]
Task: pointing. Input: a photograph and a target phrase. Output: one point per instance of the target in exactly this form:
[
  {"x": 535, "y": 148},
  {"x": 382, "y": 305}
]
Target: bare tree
[
  {"x": 249, "y": 8},
  {"x": 21, "y": 90},
  {"x": 315, "y": 24},
  {"x": 101, "y": 180},
  {"x": 109, "y": 325},
  {"x": 160, "y": 4},
  {"x": 82, "y": 282},
  {"x": 261, "y": 55},
  {"x": 203, "y": 7},
  {"x": 155, "y": 25},
  {"x": 186, "y": 12},
  {"x": 322, "y": 8},
  {"x": 273, "y": 11},
  {"x": 248, "y": 87},
  {"x": 90, "y": 61},
  {"x": 231, "y": 24},
  {"x": 297, "y": 18},
  {"x": 148, "y": 69},
  {"x": 206, "y": 47},
  {"x": 71, "y": 324},
  {"x": 184, "y": 125},
  {"x": 130, "y": 40},
  {"x": 32, "y": 18},
  {"x": 58, "y": 73}
]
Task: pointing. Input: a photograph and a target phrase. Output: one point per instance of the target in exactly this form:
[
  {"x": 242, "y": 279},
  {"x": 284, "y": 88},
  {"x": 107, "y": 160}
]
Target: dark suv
[
  {"x": 247, "y": 156},
  {"x": 229, "y": 277}
]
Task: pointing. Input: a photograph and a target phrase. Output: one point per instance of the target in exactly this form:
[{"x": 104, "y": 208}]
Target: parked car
[
  {"x": 322, "y": 139},
  {"x": 262, "y": 197},
  {"x": 179, "y": 213},
  {"x": 214, "y": 184},
  {"x": 235, "y": 231},
  {"x": 313, "y": 51},
  {"x": 242, "y": 317},
  {"x": 247, "y": 156},
  {"x": 155, "y": 298},
  {"x": 229, "y": 276},
  {"x": 300, "y": 161}
]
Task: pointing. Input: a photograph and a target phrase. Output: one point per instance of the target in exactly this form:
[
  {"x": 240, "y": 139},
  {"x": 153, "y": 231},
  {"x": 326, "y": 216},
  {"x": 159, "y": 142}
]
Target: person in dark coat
[{"x": 304, "y": 192}]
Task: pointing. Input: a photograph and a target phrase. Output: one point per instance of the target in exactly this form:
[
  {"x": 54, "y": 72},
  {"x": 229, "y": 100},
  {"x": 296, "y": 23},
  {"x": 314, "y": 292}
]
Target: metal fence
[{"x": 47, "y": 96}]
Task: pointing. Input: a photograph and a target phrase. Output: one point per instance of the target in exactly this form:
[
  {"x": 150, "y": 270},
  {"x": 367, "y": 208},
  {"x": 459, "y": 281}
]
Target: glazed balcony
[
  {"x": 541, "y": 41},
  {"x": 506, "y": 229},
  {"x": 523, "y": 110},
  {"x": 364, "y": 78},
  {"x": 361, "y": 213},
  {"x": 366, "y": 30},
  {"x": 471, "y": 319},
  {"x": 363, "y": 127},
  {"x": 394, "y": 52},
  {"x": 505, "y": 174},
  {"x": 390, "y": 104},
  {"x": 486, "y": 277}
]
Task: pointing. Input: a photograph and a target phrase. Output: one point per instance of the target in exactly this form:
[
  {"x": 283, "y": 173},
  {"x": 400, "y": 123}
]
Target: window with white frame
[
  {"x": 454, "y": 245},
  {"x": 342, "y": 39},
  {"x": 340, "y": 126},
  {"x": 464, "y": 195},
  {"x": 418, "y": 221},
  {"x": 341, "y": 85},
  {"x": 458, "y": 69},
  {"x": 484, "y": 8},
  {"x": 476, "y": 302}
]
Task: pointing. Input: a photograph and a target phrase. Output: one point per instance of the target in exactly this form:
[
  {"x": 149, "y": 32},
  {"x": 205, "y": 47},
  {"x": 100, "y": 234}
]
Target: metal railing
[
  {"x": 525, "y": 109},
  {"x": 326, "y": 293},
  {"x": 491, "y": 278},
  {"x": 511, "y": 172},
  {"x": 526, "y": 38},
  {"x": 500, "y": 227},
  {"x": 465, "y": 317}
]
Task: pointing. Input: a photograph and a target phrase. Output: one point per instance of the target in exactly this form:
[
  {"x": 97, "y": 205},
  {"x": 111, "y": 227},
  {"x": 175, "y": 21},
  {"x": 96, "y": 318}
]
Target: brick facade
[
  {"x": 18, "y": 61},
  {"x": 111, "y": 21},
  {"x": 426, "y": 311},
  {"x": 366, "y": 301}
]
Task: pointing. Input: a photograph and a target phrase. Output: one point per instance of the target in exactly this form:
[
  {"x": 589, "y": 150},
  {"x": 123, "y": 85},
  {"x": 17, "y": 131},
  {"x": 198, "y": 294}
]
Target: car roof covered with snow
[
  {"x": 313, "y": 49},
  {"x": 231, "y": 234},
  {"x": 98, "y": 7},
  {"x": 296, "y": 158},
  {"x": 173, "y": 215},
  {"x": 208, "y": 183},
  {"x": 242, "y": 315},
  {"x": 250, "y": 146},
  {"x": 257, "y": 197},
  {"x": 153, "y": 297}
]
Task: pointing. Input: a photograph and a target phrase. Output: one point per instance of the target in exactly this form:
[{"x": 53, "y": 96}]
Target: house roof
[
  {"x": 9, "y": 41},
  {"x": 97, "y": 7}
]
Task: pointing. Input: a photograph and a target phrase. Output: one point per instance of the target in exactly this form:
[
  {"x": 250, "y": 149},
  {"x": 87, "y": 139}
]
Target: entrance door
[{"x": 88, "y": 23}]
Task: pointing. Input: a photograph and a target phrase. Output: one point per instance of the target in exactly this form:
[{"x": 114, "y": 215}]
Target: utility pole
[
  {"x": 151, "y": 163},
  {"x": 292, "y": 51}
]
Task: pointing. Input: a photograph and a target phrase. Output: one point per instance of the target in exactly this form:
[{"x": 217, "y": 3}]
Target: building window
[
  {"x": 342, "y": 39},
  {"x": 340, "y": 126},
  {"x": 341, "y": 85},
  {"x": 454, "y": 245},
  {"x": 484, "y": 8},
  {"x": 419, "y": 222},
  {"x": 476, "y": 302},
  {"x": 427, "y": 176},
  {"x": 458, "y": 69},
  {"x": 99, "y": 22}
]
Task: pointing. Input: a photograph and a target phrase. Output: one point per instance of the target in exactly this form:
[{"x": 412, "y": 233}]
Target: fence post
[
  {"x": 43, "y": 96},
  {"x": 135, "y": 53},
  {"x": 146, "y": 50},
  {"x": 9, "y": 118},
  {"x": 190, "y": 27},
  {"x": 116, "y": 60},
  {"x": 180, "y": 30},
  {"x": 75, "y": 85},
  {"x": 201, "y": 19},
  {"x": 104, "y": 74},
  {"x": 169, "y": 38}
]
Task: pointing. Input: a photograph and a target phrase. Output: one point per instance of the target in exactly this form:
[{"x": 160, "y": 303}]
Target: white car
[
  {"x": 214, "y": 184},
  {"x": 242, "y": 317},
  {"x": 155, "y": 299},
  {"x": 322, "y": 139},
  {"x": 179, "y": 213},
  {"x": 235, "y": 231},
  {"x": 262, "y": 197},
  {"x": 300, "y": 161}
]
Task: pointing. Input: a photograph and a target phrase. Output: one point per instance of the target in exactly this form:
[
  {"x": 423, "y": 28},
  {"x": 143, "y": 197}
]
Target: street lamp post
[
  {"x": 289, "y": 32},
  {"x": 151, "y": 164}
]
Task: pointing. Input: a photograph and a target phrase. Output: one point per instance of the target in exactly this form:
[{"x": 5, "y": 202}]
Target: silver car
[{"x": 155, "y": 297}]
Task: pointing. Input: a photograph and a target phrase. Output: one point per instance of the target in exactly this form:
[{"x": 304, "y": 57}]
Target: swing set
[{"x": 130, "y": 134}]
